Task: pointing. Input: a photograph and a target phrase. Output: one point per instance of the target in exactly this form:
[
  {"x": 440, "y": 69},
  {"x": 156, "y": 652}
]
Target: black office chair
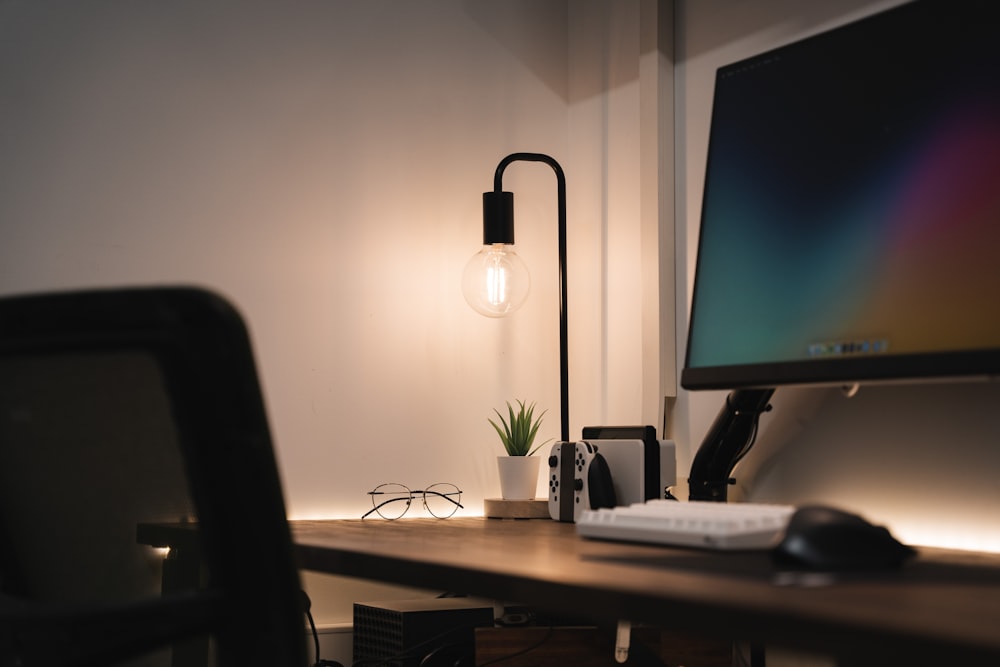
[{"x": 96, "y": 390}]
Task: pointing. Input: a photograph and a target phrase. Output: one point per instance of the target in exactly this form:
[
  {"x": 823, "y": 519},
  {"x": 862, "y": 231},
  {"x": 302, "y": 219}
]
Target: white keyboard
[{"x": 702, "y": 524}]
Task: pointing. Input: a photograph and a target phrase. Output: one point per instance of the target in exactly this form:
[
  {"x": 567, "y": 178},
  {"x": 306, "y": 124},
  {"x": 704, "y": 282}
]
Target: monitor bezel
[
  {"x": 829, "y": 371},
  {"x": 982, "y": 365}
]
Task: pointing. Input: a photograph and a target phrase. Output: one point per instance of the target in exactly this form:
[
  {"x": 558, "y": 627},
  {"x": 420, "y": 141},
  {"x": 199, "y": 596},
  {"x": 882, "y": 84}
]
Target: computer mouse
[{"x": 833, "y": 540}]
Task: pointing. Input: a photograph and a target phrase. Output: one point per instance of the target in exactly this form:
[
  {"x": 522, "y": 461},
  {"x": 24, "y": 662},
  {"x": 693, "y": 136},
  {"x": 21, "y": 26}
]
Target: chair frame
[{"x": 252, "y": 601}]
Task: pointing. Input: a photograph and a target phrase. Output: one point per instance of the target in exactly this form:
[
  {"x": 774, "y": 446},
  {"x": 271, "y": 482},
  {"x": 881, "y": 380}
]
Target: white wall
[
  {"x": 322, "y": 163},
  {"x": 921, "y": 459}
]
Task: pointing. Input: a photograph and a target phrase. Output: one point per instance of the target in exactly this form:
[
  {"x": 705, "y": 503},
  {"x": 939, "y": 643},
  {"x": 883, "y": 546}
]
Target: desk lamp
[{"x": 496, "y": 282}]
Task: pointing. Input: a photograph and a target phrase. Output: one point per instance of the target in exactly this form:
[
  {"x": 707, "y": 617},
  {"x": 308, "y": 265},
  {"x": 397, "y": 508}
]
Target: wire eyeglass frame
[{"x": 441, "y": 500}]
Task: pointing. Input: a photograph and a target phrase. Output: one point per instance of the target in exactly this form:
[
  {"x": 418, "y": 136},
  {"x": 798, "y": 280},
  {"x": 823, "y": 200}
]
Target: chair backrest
[{"x": 119, "y": 407}]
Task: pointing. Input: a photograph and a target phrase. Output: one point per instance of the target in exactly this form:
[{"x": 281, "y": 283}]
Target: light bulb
[{"x": 496, "y": 281}]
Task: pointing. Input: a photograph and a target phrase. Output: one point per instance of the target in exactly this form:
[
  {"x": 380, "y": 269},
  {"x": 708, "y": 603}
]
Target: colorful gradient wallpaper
[{"x": 852, "y": 196}]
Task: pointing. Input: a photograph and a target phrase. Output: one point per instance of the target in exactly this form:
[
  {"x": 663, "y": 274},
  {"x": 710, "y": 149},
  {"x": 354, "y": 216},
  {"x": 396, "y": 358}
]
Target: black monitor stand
[{"x": 728, "y": 440}]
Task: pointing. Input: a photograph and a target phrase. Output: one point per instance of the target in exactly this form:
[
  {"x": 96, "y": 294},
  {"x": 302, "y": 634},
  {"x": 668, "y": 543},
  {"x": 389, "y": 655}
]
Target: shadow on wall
[
  {"x": 743, "y": 19},
  {"x": 590, "y": 31},
  {"x": 545, "y": 54}
]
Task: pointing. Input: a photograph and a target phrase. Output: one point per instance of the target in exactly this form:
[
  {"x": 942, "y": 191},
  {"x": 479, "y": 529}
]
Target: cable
[
  {"x": 413, "y": 651},
  {"x": 307, "y": 606},
  {"x": 447, "y": 655}
]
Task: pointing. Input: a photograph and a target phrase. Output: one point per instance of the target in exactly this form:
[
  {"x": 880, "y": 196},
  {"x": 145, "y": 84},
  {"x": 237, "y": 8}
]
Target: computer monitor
[{"x": 850, "y": 227}]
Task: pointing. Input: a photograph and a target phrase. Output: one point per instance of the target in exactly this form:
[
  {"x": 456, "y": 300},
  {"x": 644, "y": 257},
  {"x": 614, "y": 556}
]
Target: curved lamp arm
[{"x": 498, "y": 226}]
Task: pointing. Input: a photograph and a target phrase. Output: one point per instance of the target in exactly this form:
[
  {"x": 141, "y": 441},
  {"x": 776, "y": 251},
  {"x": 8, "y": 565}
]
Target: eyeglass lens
[
  {"x": 442, "y": 500},
  {"x": 391, "y": 500}
]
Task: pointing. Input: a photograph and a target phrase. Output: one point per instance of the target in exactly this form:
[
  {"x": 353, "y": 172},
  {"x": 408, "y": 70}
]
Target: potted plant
[{"x": 518, "y": 469}]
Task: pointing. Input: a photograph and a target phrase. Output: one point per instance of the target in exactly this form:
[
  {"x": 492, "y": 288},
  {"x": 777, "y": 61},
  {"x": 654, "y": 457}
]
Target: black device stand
[{"x": 728, "y": 440}]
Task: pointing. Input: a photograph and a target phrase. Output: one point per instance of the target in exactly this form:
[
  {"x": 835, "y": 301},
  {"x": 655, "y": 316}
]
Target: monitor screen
[{"x": 850, "y": 224}]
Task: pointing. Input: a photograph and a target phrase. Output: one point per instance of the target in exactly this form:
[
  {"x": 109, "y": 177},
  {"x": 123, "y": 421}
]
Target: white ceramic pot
[{"x": 518, "y": 477}]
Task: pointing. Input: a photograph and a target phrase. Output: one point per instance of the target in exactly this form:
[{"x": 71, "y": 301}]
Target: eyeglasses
[{"x": 390, "y": 501}]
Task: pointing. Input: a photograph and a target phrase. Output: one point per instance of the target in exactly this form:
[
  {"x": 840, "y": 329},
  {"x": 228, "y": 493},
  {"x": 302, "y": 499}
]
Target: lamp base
[{"x": 498, "y": 508}]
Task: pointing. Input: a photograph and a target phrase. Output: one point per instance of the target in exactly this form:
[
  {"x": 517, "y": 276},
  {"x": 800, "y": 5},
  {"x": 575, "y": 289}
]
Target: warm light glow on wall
[{"x": 947, "y": 536}]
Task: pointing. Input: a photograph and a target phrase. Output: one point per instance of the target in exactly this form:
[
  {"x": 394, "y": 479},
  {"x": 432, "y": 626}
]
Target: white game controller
[{"x": 579, "y": 479}]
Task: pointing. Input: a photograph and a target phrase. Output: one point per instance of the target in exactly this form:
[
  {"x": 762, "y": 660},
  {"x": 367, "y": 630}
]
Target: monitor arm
[{"x": 728, "y": 439}]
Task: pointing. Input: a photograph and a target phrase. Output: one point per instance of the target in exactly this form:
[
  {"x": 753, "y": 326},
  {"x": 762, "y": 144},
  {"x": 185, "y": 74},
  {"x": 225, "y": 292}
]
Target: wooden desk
[{"x": 943, "y": 608}]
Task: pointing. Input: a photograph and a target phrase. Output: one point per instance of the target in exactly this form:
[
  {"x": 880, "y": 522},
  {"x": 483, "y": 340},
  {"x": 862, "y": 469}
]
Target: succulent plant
[{"x": 519, "y": 428}]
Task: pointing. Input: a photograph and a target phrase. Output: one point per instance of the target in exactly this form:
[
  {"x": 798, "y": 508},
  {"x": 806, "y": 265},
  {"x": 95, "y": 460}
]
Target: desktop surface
[{"x": 943, "y": 606}]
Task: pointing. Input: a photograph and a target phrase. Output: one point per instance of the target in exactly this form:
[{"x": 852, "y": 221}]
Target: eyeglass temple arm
[
  {"x": 445, "y": 496},
  {"x": 386, "y": 502}
]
